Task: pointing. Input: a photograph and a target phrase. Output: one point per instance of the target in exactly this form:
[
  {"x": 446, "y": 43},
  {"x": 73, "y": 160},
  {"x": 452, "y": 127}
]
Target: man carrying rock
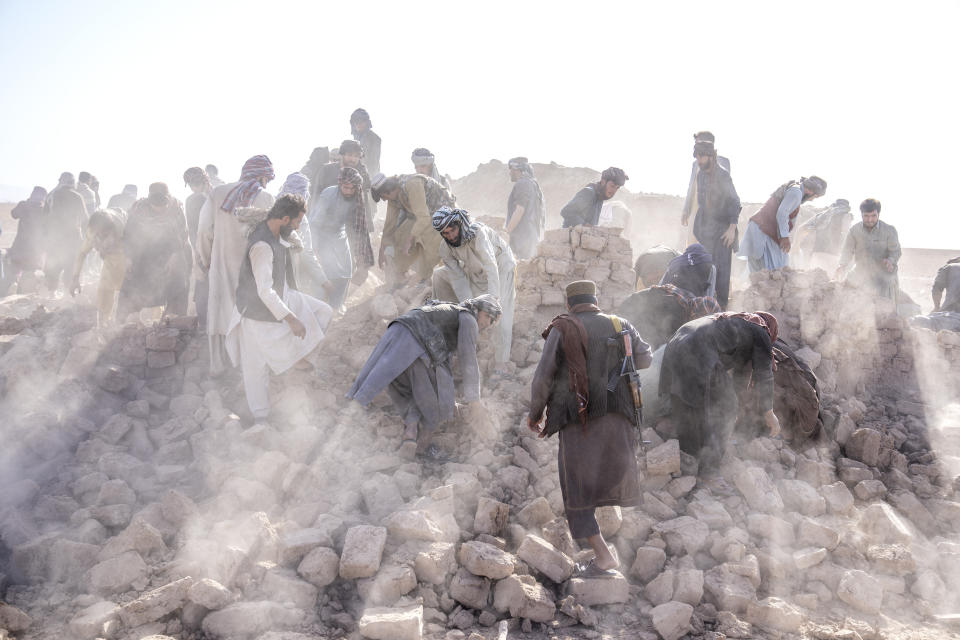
[
  {"x": 948, "y": 279},
  {"x": 476, "y": 260},
  {"x": 525, "y": 209},
  {"x": 105, "y": 231},
  {"x": 874, "y": 248},
  {"x": 583, "y": 353},
  {"x": 273, "y": 325},
  {"x": 412, "y": 361},
  {"x": 585, "y": 206}
]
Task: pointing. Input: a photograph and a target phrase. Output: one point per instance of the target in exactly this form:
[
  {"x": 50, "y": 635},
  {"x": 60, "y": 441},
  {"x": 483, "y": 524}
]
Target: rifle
[{"x": 629, "y": 369}]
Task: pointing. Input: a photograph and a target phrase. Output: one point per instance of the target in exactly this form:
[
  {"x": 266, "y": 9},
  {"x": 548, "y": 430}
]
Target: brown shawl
[{"x": 574, "y": 345}]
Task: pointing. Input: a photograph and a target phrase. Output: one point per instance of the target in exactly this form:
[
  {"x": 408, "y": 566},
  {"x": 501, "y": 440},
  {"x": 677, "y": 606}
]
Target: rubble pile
[{"x": 136, "y": 503}]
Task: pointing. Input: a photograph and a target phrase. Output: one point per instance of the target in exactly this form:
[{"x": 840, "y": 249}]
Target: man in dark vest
[
  {"x": 582, "y": 357},
  {"x": 412, "y": 361},
  {"x": 584, "y": 208},
  {"x": 274, "y": 325},
  {"x": 766, "y": 244}
]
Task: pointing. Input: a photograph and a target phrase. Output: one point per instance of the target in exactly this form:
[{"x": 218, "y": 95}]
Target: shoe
[{"x": 592, "y": 571}]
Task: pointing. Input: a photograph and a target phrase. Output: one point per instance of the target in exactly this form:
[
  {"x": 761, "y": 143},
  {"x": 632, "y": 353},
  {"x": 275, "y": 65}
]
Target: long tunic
[
  {"x": 868, "y": 248},
  {"x": 598, "y": 462},
  {"x": 409, "y": 215},
  {"x": 526, "y": 193},
  {"x": 718, "y": 207},
  {"x": 761, "y": 250},
  {"x": 371, "y": 150},
  {"x": 27, "y": 249},
  {"x": 948, "y": 279}
]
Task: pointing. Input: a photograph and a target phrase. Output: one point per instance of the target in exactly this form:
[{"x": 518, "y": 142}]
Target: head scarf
[
  {"x": 193, "y": 175},
  {"x": 816, "y": 184},
  {"x": 130, "y": 190},
  {"x": 249, "y": 187},
  {"x": 486, "y": 303},
  {"x": 693, "y": 255},
  {"x": 350, "y": 146},
  {"x": 702, "y": 147},
  {"x": 359, "y": 115},
  {"x": 38, "y": 195},
  {"x": 296, "y": 184},
  {"x": 67, "y": 179},
  {"x": 760, "y": 318},
  {"x": 445, "y": 216},
  {"x": 522, "y": 164},
  {"x": 349, "y": 175},
  {"x": 421, "y": 156}
]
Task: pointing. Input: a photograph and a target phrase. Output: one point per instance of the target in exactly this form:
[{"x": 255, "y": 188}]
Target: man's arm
[
  {"x": 642, "y": 353},
  {"x": 78, "y": 263},
  {"x": 487, "y": 256},
  {"x": 261, "y": 259},
  {"x": 893, "y": 246},
  {"x": 544, "y": 375},
  {"x": 574, "y": 212},
  {"x": 467, "y": 353},
  {"x": 204, "y": 246},
  {"x": 523, "y": 191},
  {"x": 846, "y": 254},
  {"x": 423, "y": 223},
  {"x": 791, "y": 200},
  {"x": 458, "y": 277},
  {"x": 308, "y": 258},
  {"x": 762, "y": 366}
]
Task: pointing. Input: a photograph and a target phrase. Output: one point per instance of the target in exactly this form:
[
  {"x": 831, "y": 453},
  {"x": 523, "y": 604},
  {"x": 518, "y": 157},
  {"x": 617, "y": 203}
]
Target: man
[
  {"x": 333, "y": 214},
  {"x": 362, "y": 131},
  {"x": 105, "y": 231},
  {"x": 84, "y": 188},
  {"x": 319, "y": 157},
  {"x": 273, "y": 325},
  {"x": 351, "y": 155},
  {"x": 408, "y": 238},
  {"x": 412, "y": 361},
  {"x": 26, "y": 252},
  {"x": 690, "y": 202},
  {"x": 476, "y": 260},
  {"x": 222, "y": 244},
  {"x": 310, "y": 276},
  {"x": 948, "y": 279},
  {"x": 125, "y": 199},
  {"x": 425, "y": 163},
  {"x": 585, "y": 206},
  {"x": 214, "y": 174},
  {"x": 66, "y": 214},
  {"x": 159, "y": 254},
  {"x": 583, "y": 353},
  {"x": 874, "y": 248},
  {"x": 718, "y": 208},
  {"x": 652, "y": 264},
  {"x": 200, "y": 187},
  {"x": 525, "y": 209},
  {"x": 766, "y": 244},
  {"x": 826, "y": 232}
]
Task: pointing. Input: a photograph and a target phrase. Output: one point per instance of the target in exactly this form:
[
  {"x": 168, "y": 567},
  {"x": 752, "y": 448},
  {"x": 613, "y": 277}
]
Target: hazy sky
[{"x": 863, "y": 94}]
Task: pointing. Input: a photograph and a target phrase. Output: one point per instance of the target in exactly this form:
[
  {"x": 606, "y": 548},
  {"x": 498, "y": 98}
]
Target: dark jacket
[
  {"x": 435, "y": 327},
  {"x": 584, "y": 208},
  {"x": 719, "y": 204},
  {"x": 248, "y": 298}
]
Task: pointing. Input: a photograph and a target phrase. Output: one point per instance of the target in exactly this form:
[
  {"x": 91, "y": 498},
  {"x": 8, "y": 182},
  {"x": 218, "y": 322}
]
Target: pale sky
[{"x": 863, "y": 94}]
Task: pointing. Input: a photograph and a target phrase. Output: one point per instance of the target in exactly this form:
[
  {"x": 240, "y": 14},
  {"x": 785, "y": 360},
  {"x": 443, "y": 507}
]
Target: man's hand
[
  {"x": 888, "y": 265},
  {"x": 685, "y": 219},
  {"x": 729, "y": 235},
  {"x": 535, "y": 426},
  {"x": 327, "y": 288},
  {"x": 772, "y": 423},
  {"x": 785, "y": 245},
  {"x": 296, "y": 326},
  {"x": 75, "y": 288},
  {"x": 382, "y": 257}
]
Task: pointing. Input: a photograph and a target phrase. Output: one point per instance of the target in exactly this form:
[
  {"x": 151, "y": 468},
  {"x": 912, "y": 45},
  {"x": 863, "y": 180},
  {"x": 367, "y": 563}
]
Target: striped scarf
[{"x": 249, "y": 186}]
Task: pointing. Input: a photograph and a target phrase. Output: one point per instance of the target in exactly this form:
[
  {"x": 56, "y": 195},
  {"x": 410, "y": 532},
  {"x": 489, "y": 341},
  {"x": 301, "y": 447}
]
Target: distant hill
[{"x": 14, "y": 193}]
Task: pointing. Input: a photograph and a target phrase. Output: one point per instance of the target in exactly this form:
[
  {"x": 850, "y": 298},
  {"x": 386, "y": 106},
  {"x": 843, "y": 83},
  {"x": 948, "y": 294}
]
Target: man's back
[{"x": 948, "y": 279}]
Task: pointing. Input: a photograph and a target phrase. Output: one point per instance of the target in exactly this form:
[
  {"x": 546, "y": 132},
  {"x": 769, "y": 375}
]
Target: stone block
[
  {"x": 294, "y": 545},
  {"x": 320, "y": 566},
  {"x": 664, "y": 459},
  {"x": 758, "y": 490},
  {"x": 413, "y": 525},
  {"x": 524, "y": 597},
  {"x": 385, "y": 623},
  {"x": 595, "y": 591},
  {"x": 691, "y": 533},
  {"x": 861, "y": 591},
  {"x": 155, "y": 604},
  {"x": 610, "y": 519},
  {"x": 250, "y": 619},
  {"x": 545, "y": 558},
  {"x": 864, "y": 445},
  {"x": 728, "y": 590},
  {"x": 808, "y": 557},
  {"x": 811, "y": 532},
  {"x": 799, "y": 496},
  {"x": 881, "y": 522},
  {"x": 362, "y": 550},
  {"x": 672, "y": 619},
  {"x": 13, "y": 619},
  {"x": 209, "y": 594},
  {"x": 434, "y": 563},
  {"x": 536, "y": 514},
  {"x": 116, "y": 575},
  {"x": 482, "y": 559},
  {"x": 648, "y": 563},
  {"x": 838, "y": 498},
  {"x": 284, "y": 586},
  {"x": 774, "y": 613},
  {"x": 470, "y": 590},
  {"x": 867, "y": 490},
  {"x": 161, "y": 359},
  {"x": 88, "y": 622},
  {"x": 491, "y": 516},
  {"x": 894, "y": 559}
]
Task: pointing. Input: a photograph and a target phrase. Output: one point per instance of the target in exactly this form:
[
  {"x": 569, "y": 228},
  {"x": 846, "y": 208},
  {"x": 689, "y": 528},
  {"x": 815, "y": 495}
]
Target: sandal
[
  {"x": 407, "y": 449},
  {"x": 592, "y": 571}
]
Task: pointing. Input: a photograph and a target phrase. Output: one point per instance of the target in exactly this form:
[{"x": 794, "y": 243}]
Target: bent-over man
[
  {"x": 585, "y": 206},
  {"x": 598, "y": 428},
  {"x": 948, "y": 279},
  {"x": 476, "y": 260},
  {"x": 105, "y": 234},
  {"x": 766, "y": 243},
  {"x": 273, "y": 326}
]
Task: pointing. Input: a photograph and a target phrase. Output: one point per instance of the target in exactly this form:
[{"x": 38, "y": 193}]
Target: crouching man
[{"x": 274, "y": 325}]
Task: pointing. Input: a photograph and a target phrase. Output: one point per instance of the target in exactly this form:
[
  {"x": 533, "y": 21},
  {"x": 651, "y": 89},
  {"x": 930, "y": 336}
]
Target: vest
[
  {"x": 605, "y": 353},
  {"x": 766, "y": 218},
  {"x": 249, "y": 303},
  {"x": 436, "y": 327},
  {"x": 435, "y": 193}
]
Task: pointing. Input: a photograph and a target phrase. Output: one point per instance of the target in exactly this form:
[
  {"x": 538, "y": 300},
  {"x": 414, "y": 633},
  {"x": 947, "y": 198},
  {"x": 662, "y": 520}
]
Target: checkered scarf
[{"x": 249, "y": 187}]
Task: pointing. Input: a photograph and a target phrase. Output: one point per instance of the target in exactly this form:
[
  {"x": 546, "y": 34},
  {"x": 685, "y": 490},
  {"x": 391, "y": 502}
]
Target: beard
[{"x": 286, "y": 231}]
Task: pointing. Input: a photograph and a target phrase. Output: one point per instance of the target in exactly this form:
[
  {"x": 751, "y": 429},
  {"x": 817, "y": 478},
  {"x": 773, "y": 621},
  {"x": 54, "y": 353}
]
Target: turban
[
  {"x": 615, "y": 175},
  {"x": 195, "y": 175},
  {"x": 445, "y": 216},
  {"x": 522, "y": 164},
  {"x": 702, "y": 147},
  {"x": 486, "y": 303},
  {"x": 422, "y": 156},
  {"x": 296, "y": 184},
  {"x": 249, "y": 186},
  {"x": 349, "y": 175},
  {"x": 816, "y": 184},
  {"x": 130, "y": 190},
  {"x": 39, "y": 195},
  {"x": 760, "y": 318},
  {"x": 694, "y": 254},
  {"x": 158, "y": 194},
  {"x": 67, "y": 179},
  {"x": 350, "y": 146},
  {"x": 704, "y": 136},
  {"x": 360, "y": 115}
]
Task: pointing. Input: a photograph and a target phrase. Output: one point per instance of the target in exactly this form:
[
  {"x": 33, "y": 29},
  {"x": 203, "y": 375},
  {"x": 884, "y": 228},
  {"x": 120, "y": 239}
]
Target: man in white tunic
[
  {"x": 273, "y": 325},
  {"x": 222, "y": 244},
  {"x": 476, "y": 260}
]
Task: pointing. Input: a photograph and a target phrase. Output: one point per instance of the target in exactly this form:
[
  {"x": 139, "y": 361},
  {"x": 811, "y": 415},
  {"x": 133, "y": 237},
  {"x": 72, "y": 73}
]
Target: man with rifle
[{"x": 586, "y": 382}]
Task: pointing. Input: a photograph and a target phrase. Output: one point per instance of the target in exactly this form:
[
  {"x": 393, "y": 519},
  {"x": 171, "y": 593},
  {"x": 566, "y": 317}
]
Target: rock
[
  {"x": 470, "y": 590},
  {"x": 294, "y": 545},
  {"x": 320, "y": 566},
  {"x": 881, "y": 522},
  {"x": 382, "y": 623},
  {"x": 139, "y": 536},
  {"x": 594, "y": 591},
  {"x": 688, "y": 586},
  {"x": 861, "y": 591},
  {"x": 710, "y": 511},
  {"x": 664, "y": 459},
  {"x": 482, "y": 559},
  {"x": 799, "y": 496},
  {"x": 929, "y": 587},
  {"x": 177, "y": 508},
  {"x": 491, "y": 516},
  {"x": 12, "y": 619},
  {"x": 809, "y": 557},
  {"x": 524, "y": 597},
  {"x": 545, "y": 558},
  {"x": 672, "y": 619},
  {"x": 209, "y": 594},
  {"x": 250, "y": 619},
  {"x": 770, "y": 527},
  {"x": 811, "y": 532},
  {"x": 809, "y": 356},
  {"x": 155, "y": 604},
  {"x": 284, "y": 586},
  {"x": 536, "y": 514},
  {"x": 436, "y": 562},
  {"x": 864, "y": 445},
  {"x": 413, "y": 525},
  {"x": 117, "y": 574},
  {"x": 728, "y": 590},
  {"x": 389, "y": 585},
  {"x": 610, "y": 519},
  {"x": 774, "y": 613},
  {"x": 757, "y": 489},
  {"x": 660, "y": 589},
  {"x": 112, "y": 516},
  {"x": 691, "y": 533},
  {"x": 88, "y": 623},
  {"x": 908, "y": 504},
  {"x": 648, "y": 563},
  {"x": 362, "y": 549},
  {"x": 892, "y": 558},
  {"x": 869, "y": 489}
]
